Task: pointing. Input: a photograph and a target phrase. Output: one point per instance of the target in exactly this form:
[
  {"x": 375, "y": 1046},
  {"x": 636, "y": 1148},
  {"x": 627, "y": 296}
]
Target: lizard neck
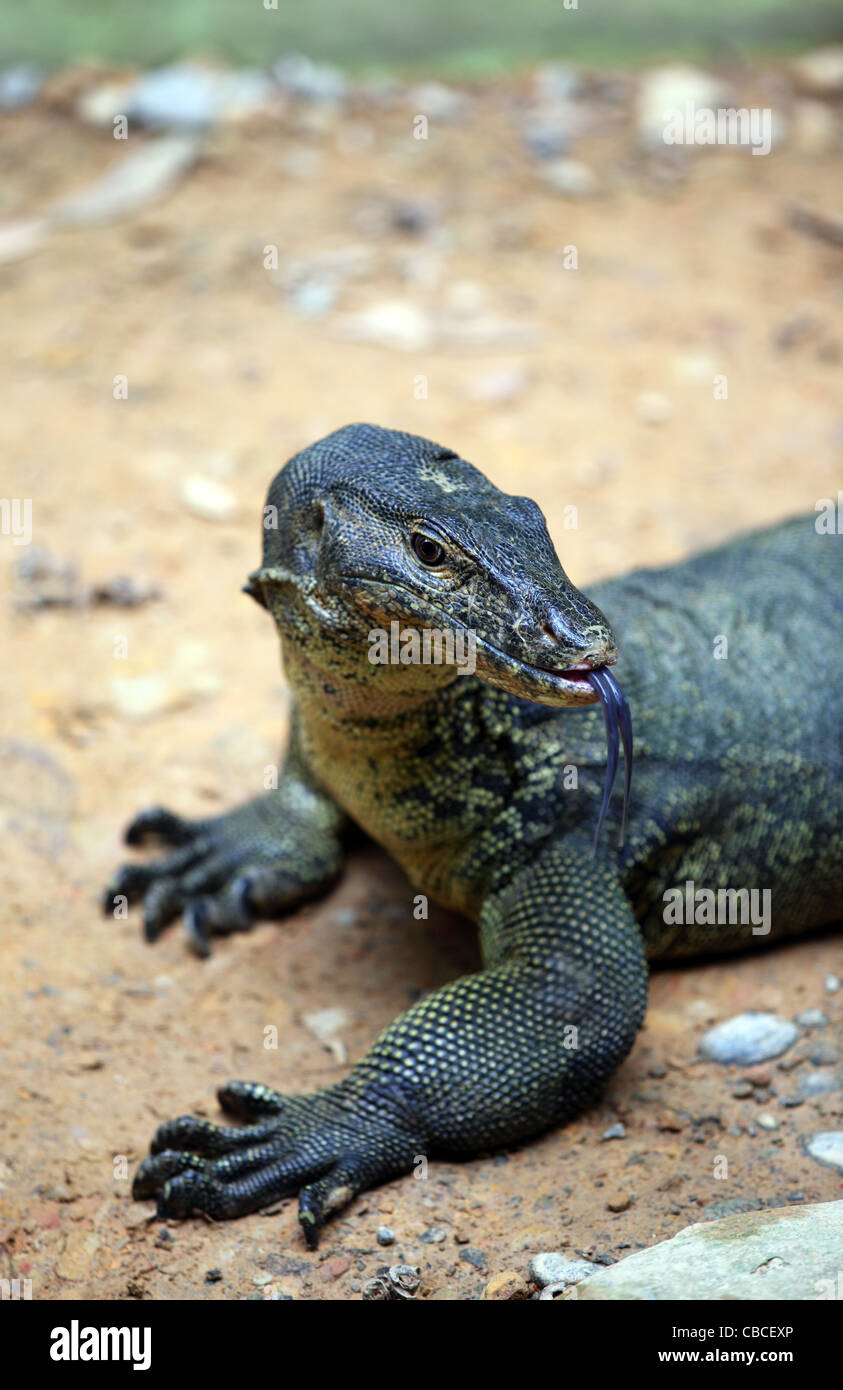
[{"x": 400, "y": 762}]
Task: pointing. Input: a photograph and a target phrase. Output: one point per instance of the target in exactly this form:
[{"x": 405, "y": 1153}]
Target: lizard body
[{"x": 467, "y": 781}]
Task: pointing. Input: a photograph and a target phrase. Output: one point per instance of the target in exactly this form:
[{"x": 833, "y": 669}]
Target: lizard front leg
[
  {"x": 487, "y": 1060},
  {"x": 262, "y": 859}
]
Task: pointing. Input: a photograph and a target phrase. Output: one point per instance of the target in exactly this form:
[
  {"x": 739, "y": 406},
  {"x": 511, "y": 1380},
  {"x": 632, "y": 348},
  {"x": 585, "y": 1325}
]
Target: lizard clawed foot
[
  {"x": 222, "y": 875},
  {"x": 326, "y": 1146}
]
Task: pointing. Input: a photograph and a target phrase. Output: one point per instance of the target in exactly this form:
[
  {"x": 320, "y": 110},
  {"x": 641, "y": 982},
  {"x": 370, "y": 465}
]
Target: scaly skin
[{"x": 466, "y": 781}]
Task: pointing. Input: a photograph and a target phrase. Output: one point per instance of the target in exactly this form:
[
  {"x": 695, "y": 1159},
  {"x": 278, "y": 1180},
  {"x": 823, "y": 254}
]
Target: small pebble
[
  {"x": 385, "y": 1235},
  {"x": 790, "y": 1063},
  {"x": 617, "y": 1131},
  {"x": 824, "y": 1053},
  {"x": 768, "y": 1121},
  {"x": 434, "y": 1236},
  {"x": 758, "y": 1076},
  {"x": 473, "y": 1257},
  {"x": 812, "y": 1018},
  {"x": 832, "y": 984},
  {"x": 742, "y": 1090},
  {"x": 827, "y": 1148},
  {"x": 620, "y": 1202},
  {"x": 819, "y": 1083},
  {"x": 791, "y": 1102},
  {"x": 437, "y": 102},
  {"x": 508, "y": 1285},
  {"x": 748, "y": 1038}
]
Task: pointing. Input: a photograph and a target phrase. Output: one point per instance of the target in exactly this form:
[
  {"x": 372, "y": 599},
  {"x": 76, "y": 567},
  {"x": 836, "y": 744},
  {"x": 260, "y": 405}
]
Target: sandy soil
[{"x": 679, "y": 280}]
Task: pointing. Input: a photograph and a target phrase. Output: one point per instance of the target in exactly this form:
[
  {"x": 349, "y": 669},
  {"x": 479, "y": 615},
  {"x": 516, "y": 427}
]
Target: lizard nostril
[{"x": 550, "y": 632}]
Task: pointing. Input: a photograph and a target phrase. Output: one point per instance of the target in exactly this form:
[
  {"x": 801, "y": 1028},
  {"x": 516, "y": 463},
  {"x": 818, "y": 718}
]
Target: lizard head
[
  {"x": 371, "y": 530},
  {"x": 371, "y": 527}
]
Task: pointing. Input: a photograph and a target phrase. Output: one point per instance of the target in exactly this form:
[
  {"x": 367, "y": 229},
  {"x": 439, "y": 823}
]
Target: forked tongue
[{"x": 617, "y": 719}]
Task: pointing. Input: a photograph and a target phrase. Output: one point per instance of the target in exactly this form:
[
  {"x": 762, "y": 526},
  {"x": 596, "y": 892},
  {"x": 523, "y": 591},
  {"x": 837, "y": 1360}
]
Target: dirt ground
[{"x": 589, "y": 387}]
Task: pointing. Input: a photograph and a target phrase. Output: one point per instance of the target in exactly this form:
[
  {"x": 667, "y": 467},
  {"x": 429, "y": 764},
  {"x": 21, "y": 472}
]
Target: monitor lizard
[{"x": 486, "y": 788}]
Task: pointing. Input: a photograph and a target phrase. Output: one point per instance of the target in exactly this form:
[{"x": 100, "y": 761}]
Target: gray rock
[
  {"x": 299, "y": 76},
  {"x": 188, "y": 97},
  {"x": 827, "y": 1148},
  {"x": 787, "y": 1254},
  {"x": 551, "y": 1267},
  {"x": 824, "y": 1053},
  {"x": 385, "y": 1235},
  {"x": 748, "y": 1038},
  {"x": 812, "y": 1018},
  {"x": 832, "y": 984},
  {"x": 437, "y": 102},
  {"x": 20, "y": 85},
  {"x": 819, "y": 1083}
]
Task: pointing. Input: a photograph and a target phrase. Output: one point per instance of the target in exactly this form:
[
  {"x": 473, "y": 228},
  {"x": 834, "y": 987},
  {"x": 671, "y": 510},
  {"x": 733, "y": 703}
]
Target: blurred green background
[{"x": 457, "y": 36}]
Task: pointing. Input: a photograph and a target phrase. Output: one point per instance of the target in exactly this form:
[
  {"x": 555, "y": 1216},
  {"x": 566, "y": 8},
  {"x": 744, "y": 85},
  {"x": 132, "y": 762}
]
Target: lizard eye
[{"x": 429, "y": 551}]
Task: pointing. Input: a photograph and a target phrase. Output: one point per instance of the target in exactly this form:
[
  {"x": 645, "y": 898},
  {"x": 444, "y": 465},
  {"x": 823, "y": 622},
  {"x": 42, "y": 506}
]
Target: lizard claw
[
  {"x": 326, "y": 1146},
  {"x": 158, "y": 823},
  {"x": 225, "y": 873}
]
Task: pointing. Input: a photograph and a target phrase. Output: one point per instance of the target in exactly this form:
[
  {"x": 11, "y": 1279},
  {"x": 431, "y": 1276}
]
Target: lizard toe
[
  {"x": 242, "y": 1183},
  {"x": 348, "y": 1176},
  {"x": 208, "y": 1140},
  {"x": 170, "y": 894},
  {"x": 134, "y": 881},
  {"x": 250, "y": 1100},
  {"x": 156, "y": 822},
  {"x": 219, "y": 914}
]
